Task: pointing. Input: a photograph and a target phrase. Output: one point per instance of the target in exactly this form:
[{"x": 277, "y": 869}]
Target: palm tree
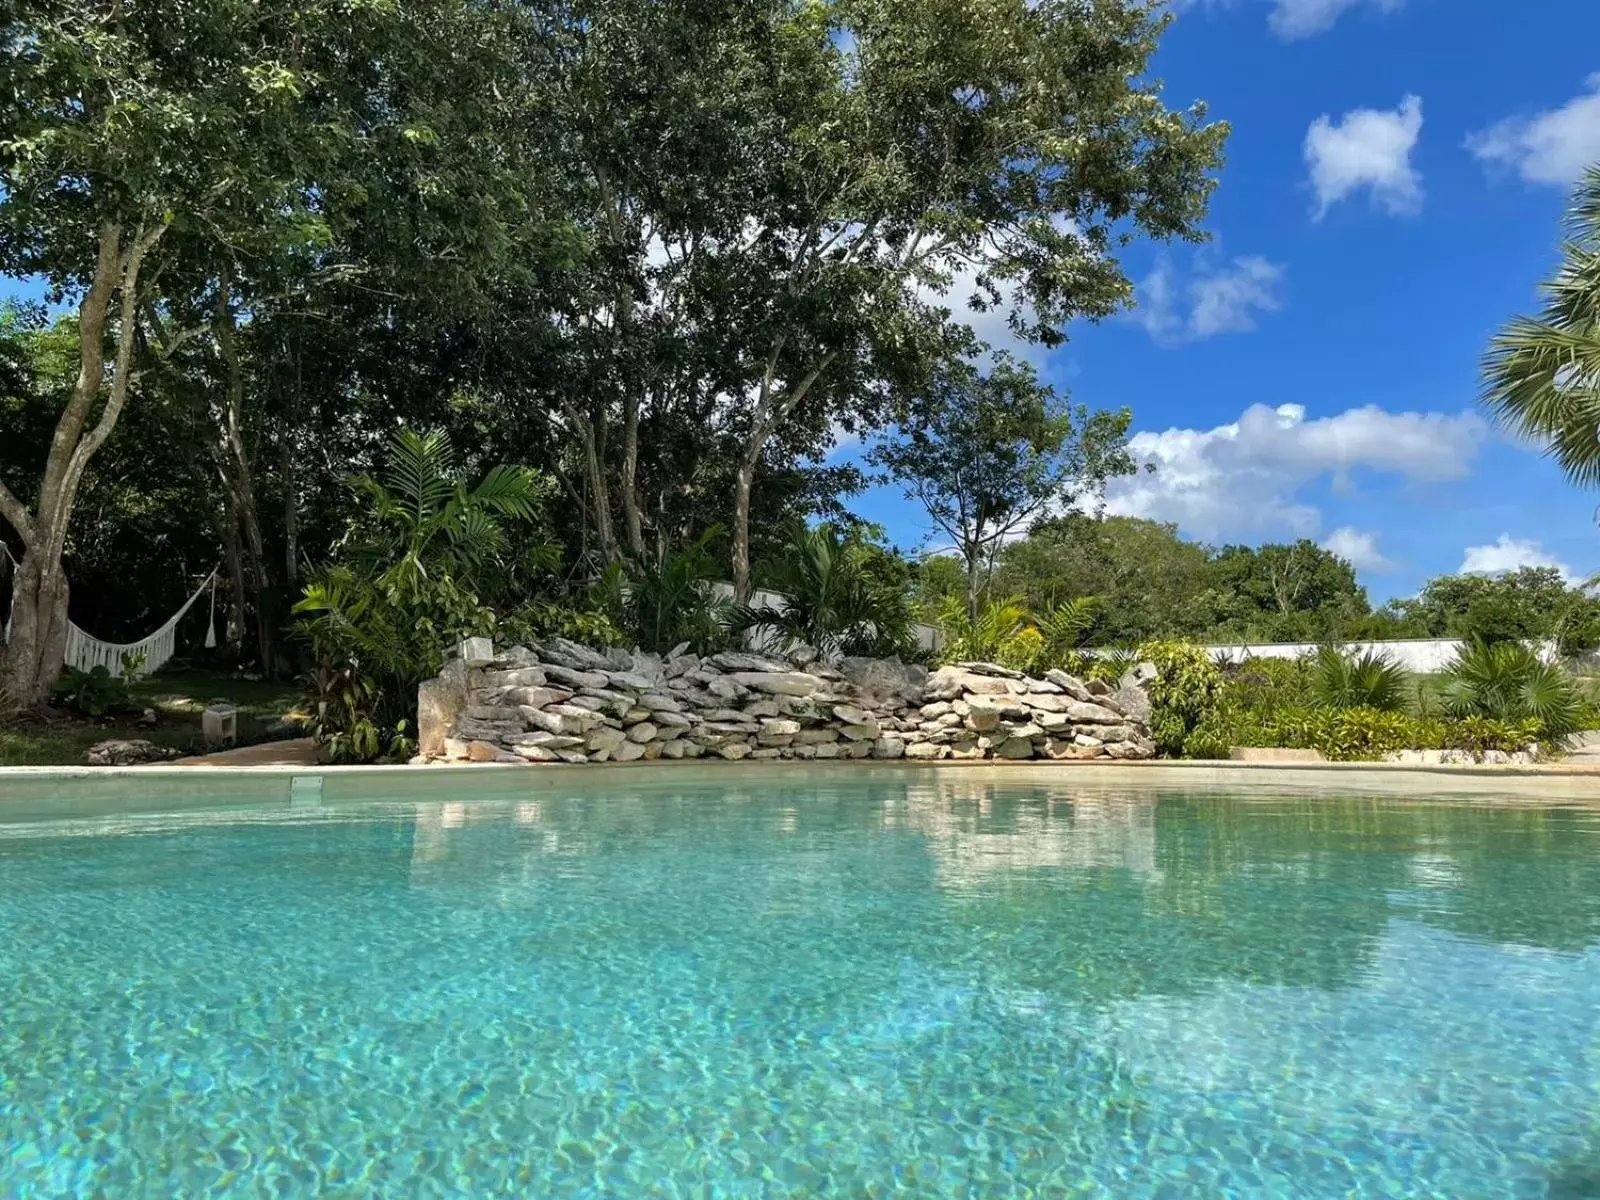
[{"x": 1542, "y": 375}]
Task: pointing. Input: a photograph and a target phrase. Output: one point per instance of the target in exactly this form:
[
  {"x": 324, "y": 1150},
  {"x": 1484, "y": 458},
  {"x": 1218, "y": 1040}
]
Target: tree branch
[{"x": 13, "y": 511}]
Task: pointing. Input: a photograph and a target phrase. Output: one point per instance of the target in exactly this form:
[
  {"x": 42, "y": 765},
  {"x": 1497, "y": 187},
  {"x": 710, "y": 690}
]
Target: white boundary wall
[{"x": 1423, "y": 655}]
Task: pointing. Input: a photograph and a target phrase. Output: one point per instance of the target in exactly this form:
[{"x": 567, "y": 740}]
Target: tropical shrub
[
  {"x": 1357, "y": 734},
  {"x": 94, "y": 693},
  {"x": 841, "y": 596},
  {"x": 419, "y": 549},
  {"x": 1185, "y": 693},
  {"x": 1509, "y": 683},
  {"x": 669, "y": 601},
  {"x": 1000, "y": 623},
  {"x": 1342, "y": 679}
]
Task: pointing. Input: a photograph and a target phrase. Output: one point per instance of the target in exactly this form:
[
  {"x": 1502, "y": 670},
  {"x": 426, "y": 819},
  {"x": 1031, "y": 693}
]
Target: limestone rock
[
  {"x": 642, "y": 732},
  {"x": 746, "y": 663},
  {"x": 926, "y": 750},
  {"x": 674, "y": 749},
  {"x": 786, "y": 683},
  {"x": 550, "y": 741},
  {"x": 576, "y": 679},
  {"x": 733, "y": 751},
  {"x": 778, "y": 731},
  {"x": 486, "y": 752},
  {"x": 1070, "y": 684},
  {"x": 888, "y": 748},
  {"x": 1015, "y": 747},
  {"x": 1133, "y": 701},
  {"x": 604, "y": 739},
  {"x": 129, "y": 752},
  {"x": 1083, "y": 713},
  {"x": 518, "y": 677},
  {"x": 628, "y": 752},
  {"x": 440, "y": 702}
]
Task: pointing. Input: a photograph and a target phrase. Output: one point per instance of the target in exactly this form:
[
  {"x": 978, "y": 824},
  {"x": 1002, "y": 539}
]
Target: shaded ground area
[{"x": 177, "y": 698}]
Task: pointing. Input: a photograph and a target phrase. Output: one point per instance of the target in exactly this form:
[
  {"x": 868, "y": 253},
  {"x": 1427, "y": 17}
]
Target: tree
[
  {"x": 1152, "y": 584},
  {"x": 1541, "y": 377},
  {"x": 1294, "y": 591},
  {"x": 122, "y": 124},
  {"x": 1530, "y": 604},
  {"x": 986, "y": 454},
  {"x": 920, "y": 142}
]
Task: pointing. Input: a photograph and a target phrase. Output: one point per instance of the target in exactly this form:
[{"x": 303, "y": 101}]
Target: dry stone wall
[{"x": 565, "y": 703}]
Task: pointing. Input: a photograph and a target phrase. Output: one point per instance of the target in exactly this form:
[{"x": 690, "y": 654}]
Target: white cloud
[
  {"x": 1243, "y": 479},
  {"x": 1508, "y": 554},
  {"x": 1293, "y": 19},
  {"x": 1549, "y": 147},
  {"x": 1210, "y": 302},
  {"x": 1367, "y": 148},
  {"x": 1358, "y": 549}
]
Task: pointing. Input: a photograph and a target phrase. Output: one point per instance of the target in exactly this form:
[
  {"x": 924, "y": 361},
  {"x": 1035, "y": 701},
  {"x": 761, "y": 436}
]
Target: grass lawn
[{"x": 177, "y": 698}]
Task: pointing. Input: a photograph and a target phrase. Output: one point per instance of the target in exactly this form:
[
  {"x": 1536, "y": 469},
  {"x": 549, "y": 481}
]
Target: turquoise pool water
[{"x": 844, "y": 986}]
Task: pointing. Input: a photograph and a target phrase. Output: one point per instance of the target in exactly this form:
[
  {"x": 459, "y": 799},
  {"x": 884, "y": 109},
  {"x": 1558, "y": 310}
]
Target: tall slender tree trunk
[
  {"x": 773, "y": 407},
  {"x": 35, "y": 651},
  {"x": 974, "y": 588},
  {"x": 743, "y": 484},
  {"x": 632, "y": 517},
  {"x": 237, "y": 475}
]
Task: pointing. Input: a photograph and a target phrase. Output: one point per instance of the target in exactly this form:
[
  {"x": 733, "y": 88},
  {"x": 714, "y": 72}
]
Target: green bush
[
  {"x": 94, "y": 693},
  {"x": 422, "y": 549},
  {"x": 1183, "y": 697},
  {"x": 1509, "y": 683},
  {"x": 1358, "y": 734},
  {"x": 1340, "y": 679}
]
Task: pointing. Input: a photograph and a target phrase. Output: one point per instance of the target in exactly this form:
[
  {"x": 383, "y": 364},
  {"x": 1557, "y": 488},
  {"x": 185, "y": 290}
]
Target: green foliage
[
  {"x": 93, "y": 693},
  {"x": 843, "y": 595},
  {"x": 533, "y": 621},
  {"x": 1510, "y": 683},
  {"x": 1529, "y": 604},
  {"x": 380, "y": 624},
  {"x": 1184, "y": 694},
  {"x": 1065, "y": 628},
  {"x": 351, "y": 720},
  {"x": 1541, "y": 377},
  {"x": 1342, "y": 679},
  {"x": 985, "y": 454},
  {"x": 664, "y": 603},
  {"x": 1001, "y": 623},
  {"x": 1357, "y": 734}
]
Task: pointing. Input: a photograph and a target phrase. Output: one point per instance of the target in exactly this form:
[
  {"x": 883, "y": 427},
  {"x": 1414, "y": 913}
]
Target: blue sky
[{"x": 1393, "y": 194}]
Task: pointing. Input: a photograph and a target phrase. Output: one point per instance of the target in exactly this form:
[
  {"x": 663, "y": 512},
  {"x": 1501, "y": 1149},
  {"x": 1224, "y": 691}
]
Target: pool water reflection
[{"x": 936, "y": 984}]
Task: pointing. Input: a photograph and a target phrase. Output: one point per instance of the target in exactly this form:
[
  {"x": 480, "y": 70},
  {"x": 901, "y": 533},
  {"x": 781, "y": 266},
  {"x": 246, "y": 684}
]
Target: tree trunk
[
  {"x": 741, "y": 530},
  {"x": 594, "y": 477},
  {"x": 974, "y": 589},
  {"x": 238, "y": 478},
  {"x": 632, "y": 519},
  {"x": 36, "y": 650},
  {"x": 291, "y": 520},
  {"x": 233, "y": 621},
  {"x": 38, "y": 642}
]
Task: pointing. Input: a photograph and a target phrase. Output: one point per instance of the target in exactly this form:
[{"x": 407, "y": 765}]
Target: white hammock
[{"x": 86, "y": 653}]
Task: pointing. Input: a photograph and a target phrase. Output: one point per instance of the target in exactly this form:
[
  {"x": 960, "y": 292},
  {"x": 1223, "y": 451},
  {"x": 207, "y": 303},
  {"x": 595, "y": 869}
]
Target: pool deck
[{"x": 230, "y": 780}]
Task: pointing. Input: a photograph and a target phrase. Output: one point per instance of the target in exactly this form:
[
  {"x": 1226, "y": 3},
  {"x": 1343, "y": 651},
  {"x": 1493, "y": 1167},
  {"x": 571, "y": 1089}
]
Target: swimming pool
[{"x": 842, "y": 983}]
